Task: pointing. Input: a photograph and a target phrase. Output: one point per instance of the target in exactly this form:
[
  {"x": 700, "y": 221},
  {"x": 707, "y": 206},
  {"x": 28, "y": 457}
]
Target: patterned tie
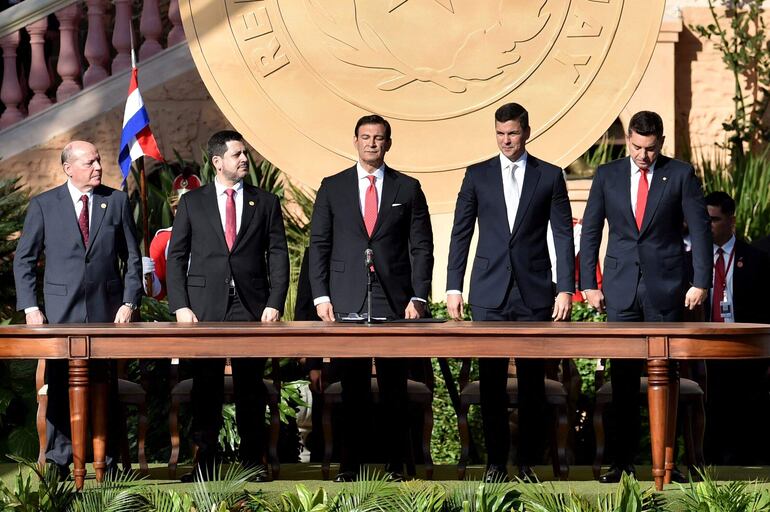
[
  {"x": 230, "y": 218},
  {"x": 641, "y": 197},
  {"x": 370, "y": 206},
  {"x": 83, "y": 219},
  {"x": 720, "y": 280},
  {"x": 511, "y": 187}
]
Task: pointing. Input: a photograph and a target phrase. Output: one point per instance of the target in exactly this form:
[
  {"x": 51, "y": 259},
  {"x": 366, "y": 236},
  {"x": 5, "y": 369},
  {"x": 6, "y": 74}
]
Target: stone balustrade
[{"x": 43, "y": 63}]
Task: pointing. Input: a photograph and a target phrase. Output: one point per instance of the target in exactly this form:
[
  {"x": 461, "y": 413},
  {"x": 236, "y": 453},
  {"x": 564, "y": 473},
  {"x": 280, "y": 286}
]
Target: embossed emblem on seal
[{"x": 294, "y": 75}]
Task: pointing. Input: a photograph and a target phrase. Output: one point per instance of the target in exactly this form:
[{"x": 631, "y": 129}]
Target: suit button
[
  {"x": 227, "y": 281},
  {"x": 88, "y": 260},
  {"x": 508, "y": 268}
]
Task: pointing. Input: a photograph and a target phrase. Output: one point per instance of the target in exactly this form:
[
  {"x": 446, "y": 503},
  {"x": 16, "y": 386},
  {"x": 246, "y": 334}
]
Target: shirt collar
[
  {"x": 635, "y": 168},
  {"x": 727, "y": 247},
  {"x": 221, "y": 188},
  {"x": 379, "y": 174},
  {"x": 76, "y": 194},
  {"x": 521, "y": 162}
]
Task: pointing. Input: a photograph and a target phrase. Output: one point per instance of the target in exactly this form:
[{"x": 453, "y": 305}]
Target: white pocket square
[{"x": 396, "y": 204}]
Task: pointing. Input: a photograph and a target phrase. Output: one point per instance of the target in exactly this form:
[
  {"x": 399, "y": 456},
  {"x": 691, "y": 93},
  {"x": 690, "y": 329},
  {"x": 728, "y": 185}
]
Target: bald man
[{"x": 93, "y": 273}]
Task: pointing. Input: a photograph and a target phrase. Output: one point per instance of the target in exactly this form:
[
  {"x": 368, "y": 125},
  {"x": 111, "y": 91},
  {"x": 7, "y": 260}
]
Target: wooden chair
[
  {"x": 556, "y": 396},
  {"x": 129, "y": 393},
  {"x": 691, "y": 406},
  {"x": 181, "y": 393},
  {"x": 420, "y": 395}
]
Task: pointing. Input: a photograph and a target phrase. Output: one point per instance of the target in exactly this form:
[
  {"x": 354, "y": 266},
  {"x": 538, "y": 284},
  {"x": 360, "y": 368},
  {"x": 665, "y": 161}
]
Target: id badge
[{"x": 726, "y": 308}]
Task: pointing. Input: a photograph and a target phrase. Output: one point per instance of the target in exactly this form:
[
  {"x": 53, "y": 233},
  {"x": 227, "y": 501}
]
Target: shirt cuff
[
  {"x": 454, "y": 292},
  {"x": 31, "y": 310},
  {"x": 419, "y": 299},
  {"x": 321, "y": 300}
]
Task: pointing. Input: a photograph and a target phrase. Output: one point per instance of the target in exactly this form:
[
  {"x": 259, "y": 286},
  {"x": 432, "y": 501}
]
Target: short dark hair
[
  {"x": 373, "y": 119},
  {"x": 513, "y": 112},
  {"x": 723, "y": 200},
  {"x": 646, "y": 123},
  {"x": 217, "y": 145}
]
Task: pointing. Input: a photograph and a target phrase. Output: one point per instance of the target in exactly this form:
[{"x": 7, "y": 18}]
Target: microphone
[{"x": 369, "y": 259}]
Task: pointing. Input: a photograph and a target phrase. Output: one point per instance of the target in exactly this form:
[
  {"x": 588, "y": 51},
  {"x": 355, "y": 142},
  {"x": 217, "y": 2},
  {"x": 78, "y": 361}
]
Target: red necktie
[
  {"x": 230, "y": 218},
  {"x": 83, "y": 219},
  {"x": 720, "y": 279},
  {"x": 370, "y": 206},
  {"x": 641, "y": 197}
]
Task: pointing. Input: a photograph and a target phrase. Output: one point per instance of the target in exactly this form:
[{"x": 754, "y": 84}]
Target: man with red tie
[
  {"x": 737, "y": 399},
  {"x": 371, "y": 207},
  {"x": 645, "y": 198},
  {"x": 228, "y": 261},
  {"x": 85, "y": 232}
]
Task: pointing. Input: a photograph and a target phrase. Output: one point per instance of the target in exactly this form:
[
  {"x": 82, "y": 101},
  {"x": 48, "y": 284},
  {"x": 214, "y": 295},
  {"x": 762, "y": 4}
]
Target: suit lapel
[
  {"x": 68, "y": 212},
  {"x": 389, "y": 189},
  {"x": 531, "y": 178},
  {"x": 211, "y": 211},
  {"x": 657, "y": 188},
  {"x": 350, "y": 189},
  {"x": 249, "y": 206},
  {"x": 623, "y": 186},
  {"x": 99, "y": 207},
  {"x": 741, "y": 276}
]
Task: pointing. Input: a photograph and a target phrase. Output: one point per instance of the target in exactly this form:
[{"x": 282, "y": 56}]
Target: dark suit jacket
[
  {"x": 657, "y": 250},
  {"x": 80, "y": 284},
  {"x": 522, "y": 254},
  {"x": 402, "y": 242},
  {"x": 751, "y": 280},
  {"x": 259, "y": 261}
]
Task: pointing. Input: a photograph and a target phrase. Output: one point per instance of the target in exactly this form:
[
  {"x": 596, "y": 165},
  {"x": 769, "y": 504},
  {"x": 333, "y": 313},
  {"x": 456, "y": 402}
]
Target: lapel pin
[
  {"x": 104, "y": 205},
  {"x": 664, "y": 178},
  {"x": 251, "y": 203},
  {"x": 739, "y": 264}
]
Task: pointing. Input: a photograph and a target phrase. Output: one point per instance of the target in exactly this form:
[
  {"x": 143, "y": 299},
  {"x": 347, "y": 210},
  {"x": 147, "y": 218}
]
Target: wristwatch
[{"x": 130, "y": 305}]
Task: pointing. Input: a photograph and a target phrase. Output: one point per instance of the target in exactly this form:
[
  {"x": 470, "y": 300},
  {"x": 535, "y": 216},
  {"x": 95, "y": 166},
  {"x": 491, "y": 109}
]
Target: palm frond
[{"x": 221, "y": 488}]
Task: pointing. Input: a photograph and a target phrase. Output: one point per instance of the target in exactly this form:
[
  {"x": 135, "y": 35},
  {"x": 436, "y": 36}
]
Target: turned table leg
[
  {"x": 78, "y": 394},
  {"x": 673, "y": 404},
  {"x": 658, "y": 394},
  {"x": 99, "y": 413}
]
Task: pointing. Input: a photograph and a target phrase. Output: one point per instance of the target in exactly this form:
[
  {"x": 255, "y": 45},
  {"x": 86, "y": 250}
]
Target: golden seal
[{"x": 294, "y": 76}]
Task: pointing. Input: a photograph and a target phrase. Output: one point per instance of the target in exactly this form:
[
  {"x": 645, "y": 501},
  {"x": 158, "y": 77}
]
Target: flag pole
[{"x": 142, "y": 183}]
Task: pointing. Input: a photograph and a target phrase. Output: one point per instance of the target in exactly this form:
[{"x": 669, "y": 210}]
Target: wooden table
[{"x": 658, "y": 343}]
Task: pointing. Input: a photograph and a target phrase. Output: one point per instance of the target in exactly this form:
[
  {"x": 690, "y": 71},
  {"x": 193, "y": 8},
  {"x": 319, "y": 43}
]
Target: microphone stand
[{"x": 369, "y": 272}]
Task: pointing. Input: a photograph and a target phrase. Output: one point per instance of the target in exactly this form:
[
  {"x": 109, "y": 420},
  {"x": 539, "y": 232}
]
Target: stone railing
[{"x": 34, "y": 76}]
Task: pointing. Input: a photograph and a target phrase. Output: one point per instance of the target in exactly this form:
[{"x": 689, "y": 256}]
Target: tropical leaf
[{"x": 227, "y": 488}]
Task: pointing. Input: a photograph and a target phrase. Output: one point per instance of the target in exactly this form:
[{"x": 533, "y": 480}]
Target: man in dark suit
[
  {"x": 228, "y": 261},
  {"x": 645, "y": 198},
  {"x": 737, "y": 399},
  {"x": 513, "y": 196},
  {"x": 371, "y": 206},
  {"x": 86, "y": 233}
]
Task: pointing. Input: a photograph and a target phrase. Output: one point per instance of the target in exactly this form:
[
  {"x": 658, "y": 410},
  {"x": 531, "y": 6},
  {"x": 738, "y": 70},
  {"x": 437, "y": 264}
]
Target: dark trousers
[
  {"x": 626, "y": 375},
  {"x": 250, "y": 400},
  {"x": 356, "y": 399},
  {"x": 58, "y": 434},
  {"x": 493, "y": 382}
]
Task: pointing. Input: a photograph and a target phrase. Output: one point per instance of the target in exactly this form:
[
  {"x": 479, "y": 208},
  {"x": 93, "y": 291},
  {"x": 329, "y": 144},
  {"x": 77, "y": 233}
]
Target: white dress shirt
[
  {"x": 363, "y": 184},
  {"x": 76, "y": 194},
  {"x": 636, "y": 177},
  {"x": 728, "y": 249},
  {"x": 511, "y": 186},
  {"x": 222, "y": 203}
]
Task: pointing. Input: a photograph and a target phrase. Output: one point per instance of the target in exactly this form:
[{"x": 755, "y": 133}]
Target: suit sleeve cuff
[{"x": 321, "y": 300}]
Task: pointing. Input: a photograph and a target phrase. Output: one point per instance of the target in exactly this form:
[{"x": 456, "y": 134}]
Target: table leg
[
  {"x": 99, "y": 426},
  {"x": 78, "y": 394},
  {"x": 658, "y": 397},
  {"x": 673, "y": 403}
]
